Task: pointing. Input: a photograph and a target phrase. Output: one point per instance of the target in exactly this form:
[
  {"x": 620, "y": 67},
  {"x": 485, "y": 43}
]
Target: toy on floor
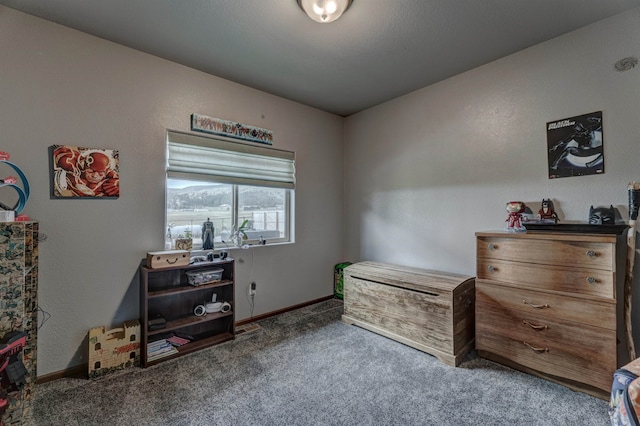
[{"x": 12, "y": 371}]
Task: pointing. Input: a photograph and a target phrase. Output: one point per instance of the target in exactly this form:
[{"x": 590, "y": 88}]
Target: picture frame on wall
[
  {"x": 78, "y": 172},
  {"x": 575, "y": 146}
]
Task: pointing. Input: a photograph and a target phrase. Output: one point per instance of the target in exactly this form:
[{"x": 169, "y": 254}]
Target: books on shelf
[
  {"x": 160, "y": 349},
  {"x": 177, "y": 341}
]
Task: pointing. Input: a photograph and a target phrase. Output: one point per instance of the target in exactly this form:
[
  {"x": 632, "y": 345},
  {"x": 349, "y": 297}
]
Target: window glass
[
  {"x": 264, "y": 210},
  {"x": 191, "y": 203}
]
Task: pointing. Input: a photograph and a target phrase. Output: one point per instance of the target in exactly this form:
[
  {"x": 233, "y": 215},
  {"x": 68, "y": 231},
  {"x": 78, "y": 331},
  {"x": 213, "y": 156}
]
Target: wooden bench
[{"x": 429, "y": 310}]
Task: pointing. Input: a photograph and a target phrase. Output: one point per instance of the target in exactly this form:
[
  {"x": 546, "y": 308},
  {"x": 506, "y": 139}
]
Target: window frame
[{"x": 200, "y": 141}]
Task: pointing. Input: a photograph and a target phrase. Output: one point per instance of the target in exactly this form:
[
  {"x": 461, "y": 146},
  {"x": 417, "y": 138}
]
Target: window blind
[{"x": 199, "y": 157}]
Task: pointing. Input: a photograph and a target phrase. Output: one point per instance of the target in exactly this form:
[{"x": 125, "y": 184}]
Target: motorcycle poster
[{"x": 575, "y": 146}]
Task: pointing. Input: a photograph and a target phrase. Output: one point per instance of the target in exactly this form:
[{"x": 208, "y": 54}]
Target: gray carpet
[{"x": 306, "y": 367}]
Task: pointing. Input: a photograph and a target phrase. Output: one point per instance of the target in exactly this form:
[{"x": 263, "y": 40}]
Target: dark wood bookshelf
[{"x": 166, "y": 292}]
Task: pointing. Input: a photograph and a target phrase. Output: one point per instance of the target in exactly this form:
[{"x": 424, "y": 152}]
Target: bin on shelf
[{"x": 204, "y": 276}]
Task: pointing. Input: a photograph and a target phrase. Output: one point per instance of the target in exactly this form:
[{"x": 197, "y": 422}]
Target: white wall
[
  {"x": 424, "y": 172},
  {"x": 60, "y": 86}
]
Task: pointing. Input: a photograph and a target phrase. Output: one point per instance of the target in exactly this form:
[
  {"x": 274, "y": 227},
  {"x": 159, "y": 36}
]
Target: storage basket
[{"x": 204, "y": 276}]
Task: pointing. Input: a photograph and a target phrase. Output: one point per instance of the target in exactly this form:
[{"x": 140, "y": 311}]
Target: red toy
[
  {"x": 12, "y": 370},
  {"x": 514, "y": 220}
]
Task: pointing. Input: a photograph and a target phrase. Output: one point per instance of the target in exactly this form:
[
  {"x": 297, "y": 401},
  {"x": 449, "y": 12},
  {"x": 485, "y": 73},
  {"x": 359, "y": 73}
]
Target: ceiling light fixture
[{"x": 324, "y": 11}]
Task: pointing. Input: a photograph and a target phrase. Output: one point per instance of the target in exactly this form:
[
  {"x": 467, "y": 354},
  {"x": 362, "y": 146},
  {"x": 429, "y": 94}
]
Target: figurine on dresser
[
  {"x": 546, "y": 212},
  {"x": 514, "y": 220},
  {"x": 602, "y": 215}
]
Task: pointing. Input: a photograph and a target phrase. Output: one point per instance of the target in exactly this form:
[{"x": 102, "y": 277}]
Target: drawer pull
[
  {"x": 591, "y": 280},
  {"x": 492, "y": 246},
  {"x": 534, "y": 326},
  {"x": 535, "y": 306},
  {"x": 533, "y": 348},
  {"x": 592, "y": 253},
  {"x": 491, "y": 268}
]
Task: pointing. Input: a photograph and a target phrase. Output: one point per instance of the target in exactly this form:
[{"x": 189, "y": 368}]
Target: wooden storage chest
[
  {"x": 429, "y": 310},
  {"x": 549, "y": 304}
]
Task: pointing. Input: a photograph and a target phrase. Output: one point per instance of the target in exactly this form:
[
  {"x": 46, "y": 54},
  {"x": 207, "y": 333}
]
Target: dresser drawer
[
  {"x": 595, "y": 255},
  {"x": 589, "y": 282},
  {"x": 564, "y": 349},
  {"x": 599, "y": 313}
]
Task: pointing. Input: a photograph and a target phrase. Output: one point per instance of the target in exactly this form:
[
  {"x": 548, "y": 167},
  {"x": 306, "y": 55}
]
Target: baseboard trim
[
  {"x": 281, "y": 311},
  {"x": 78, "y": 371},
  {"x": 81, "y": 371}
]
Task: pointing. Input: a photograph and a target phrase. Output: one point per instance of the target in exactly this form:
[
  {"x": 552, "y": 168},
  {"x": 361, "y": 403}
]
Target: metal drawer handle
[
  {"x": 533, "y": 348},
  {"x": 592, "y": 253},
  {"x": 591, "y": 280},
  {"x": 492, "y": 246},
  {"x": 535, "y": 306},
  {"x": 491, "y": 268},
  {"x": 534, "y": 326}
]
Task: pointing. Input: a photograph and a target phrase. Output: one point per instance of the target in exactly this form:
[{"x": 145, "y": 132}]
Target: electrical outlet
[{"x": 252, "y": 289}]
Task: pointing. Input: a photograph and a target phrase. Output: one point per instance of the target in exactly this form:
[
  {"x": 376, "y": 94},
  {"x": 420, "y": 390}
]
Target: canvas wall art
[{"x": 78, "y": 172}]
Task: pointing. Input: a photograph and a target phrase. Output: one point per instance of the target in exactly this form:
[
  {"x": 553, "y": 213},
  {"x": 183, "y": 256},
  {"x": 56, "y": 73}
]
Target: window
[{"x": 229, "y": 184}]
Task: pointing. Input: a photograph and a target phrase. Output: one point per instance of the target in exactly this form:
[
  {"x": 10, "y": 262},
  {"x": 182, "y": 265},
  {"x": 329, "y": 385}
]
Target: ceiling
[{"x": 377, "y": 51}]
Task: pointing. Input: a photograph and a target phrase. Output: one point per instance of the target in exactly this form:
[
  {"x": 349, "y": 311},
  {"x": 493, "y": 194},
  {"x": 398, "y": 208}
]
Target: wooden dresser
[{"x": 550, "y": 304}]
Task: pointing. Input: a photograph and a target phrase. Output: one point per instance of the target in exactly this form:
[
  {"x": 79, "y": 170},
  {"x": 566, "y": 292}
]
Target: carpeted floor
[{"x": 306, "y": 367}]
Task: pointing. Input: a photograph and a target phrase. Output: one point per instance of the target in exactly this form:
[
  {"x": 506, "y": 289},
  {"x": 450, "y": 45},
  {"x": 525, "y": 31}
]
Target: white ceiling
[{"x": 378, "y": 50}]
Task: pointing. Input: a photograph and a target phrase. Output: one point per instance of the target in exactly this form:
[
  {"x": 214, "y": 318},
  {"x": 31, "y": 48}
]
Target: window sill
[{"x": 219, "y": 248}]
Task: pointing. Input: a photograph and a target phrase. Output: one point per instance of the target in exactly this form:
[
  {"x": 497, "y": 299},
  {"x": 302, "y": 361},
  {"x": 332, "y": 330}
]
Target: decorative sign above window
[{"x": 216, "y": 126}]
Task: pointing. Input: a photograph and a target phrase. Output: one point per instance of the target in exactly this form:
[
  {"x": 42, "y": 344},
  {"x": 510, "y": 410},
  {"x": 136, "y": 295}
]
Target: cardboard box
[{"x": 168, "y": 258}]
